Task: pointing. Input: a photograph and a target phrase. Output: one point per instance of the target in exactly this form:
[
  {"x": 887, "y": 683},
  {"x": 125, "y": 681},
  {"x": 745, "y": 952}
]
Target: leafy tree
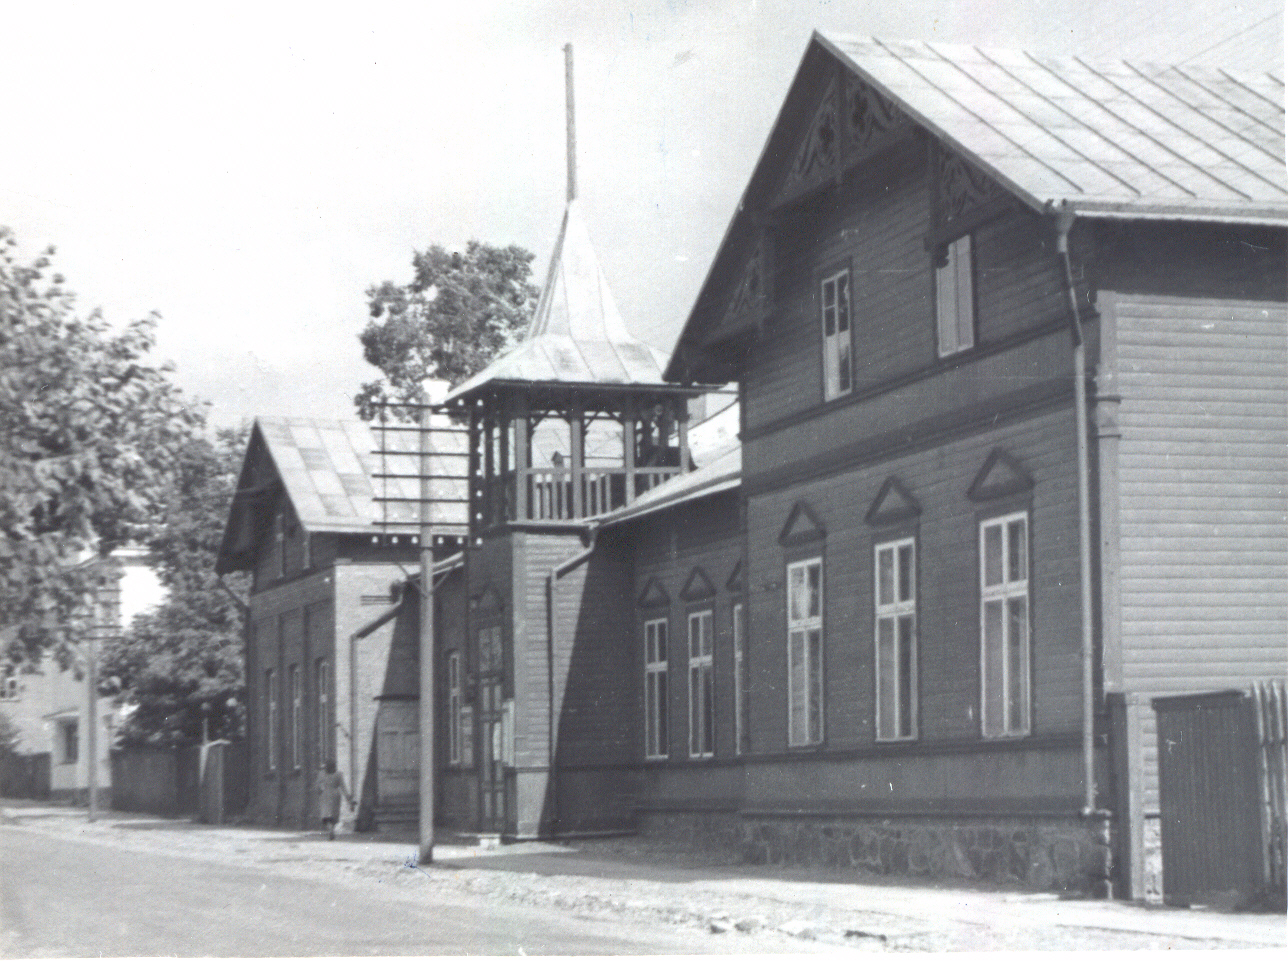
[
  {"x": 184, "y": 661},
  {"x": 460, "y": 310},
  {"x": 92, "y": 430}
]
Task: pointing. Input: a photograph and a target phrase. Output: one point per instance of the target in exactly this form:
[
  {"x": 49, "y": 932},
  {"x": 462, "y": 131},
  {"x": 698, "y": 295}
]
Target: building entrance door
[
  {"x": 398, "y": 753},
  {"x": 491, "y": 757}
]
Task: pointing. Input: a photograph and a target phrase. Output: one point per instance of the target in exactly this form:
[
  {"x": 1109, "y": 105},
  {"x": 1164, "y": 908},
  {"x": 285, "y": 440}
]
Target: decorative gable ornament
[
  {"x": 802, "y": 526},
  {"x": 872, "y": 121},
  {"x": 698, "y": 587},
  {"x": 892, "y": 505},
  {"x": 735, "y": 583},
  {"x": 818, "y": 158},
  {"x": 964, "y": 197},
  {"x": 750, "y": 298},
  {"x": 653, "y": 595},
  {"x": 1001, "y": 476},
  {"x": 488, "y": 601}
]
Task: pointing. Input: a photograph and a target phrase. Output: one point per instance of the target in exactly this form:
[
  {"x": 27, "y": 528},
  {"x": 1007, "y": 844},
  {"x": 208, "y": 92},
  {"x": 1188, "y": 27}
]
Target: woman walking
[{"x": 331, "y": 788}]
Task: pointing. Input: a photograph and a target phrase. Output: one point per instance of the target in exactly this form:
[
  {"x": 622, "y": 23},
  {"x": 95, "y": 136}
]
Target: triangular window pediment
[
  {"x": 735, "y": 582},
  {"x": 1000, "y": 476},
  {"x": 654, "y": 594},
  {"x": 488, "y": 601},
  {"x": 802, "y": 526},
  {"x": 892, "y": 505},
  {"x": 698, "y": 586}
]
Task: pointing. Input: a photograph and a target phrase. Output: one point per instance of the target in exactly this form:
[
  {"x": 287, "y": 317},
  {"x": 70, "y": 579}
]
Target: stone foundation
[{"x": 1047, "y": 855}]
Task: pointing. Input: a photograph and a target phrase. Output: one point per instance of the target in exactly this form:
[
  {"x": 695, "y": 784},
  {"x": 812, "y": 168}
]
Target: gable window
[
  {"x": 655, "y": 731},
  {"x": 838, "y": 373},
  {"x": 297, "y": 712},
  {"x": 805, "y": 652},
  {"x": 69, "y": 738},
  {"x": 1004, "y": 625},
  {"x": 741, "y": 727},
  {"x": 701, "y": 687},
  {"x": 895, "y": 573},
  {"x": 955, "y": 298},
  {"x": 454, "y": 707},
  {"x": 270, "y": 718},
  {"x": 322, "y": 678}
]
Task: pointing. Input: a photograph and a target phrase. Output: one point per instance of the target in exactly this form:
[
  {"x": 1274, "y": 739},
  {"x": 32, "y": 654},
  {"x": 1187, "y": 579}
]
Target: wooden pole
[{"x": 433, "y": 394}]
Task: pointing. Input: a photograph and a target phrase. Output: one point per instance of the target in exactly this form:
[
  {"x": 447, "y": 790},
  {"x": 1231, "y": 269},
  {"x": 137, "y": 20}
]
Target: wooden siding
[
  {"x": 1203, "y": 511},
  {"x": 667, "y": 547},
  {"x": 948, "y": 612}
]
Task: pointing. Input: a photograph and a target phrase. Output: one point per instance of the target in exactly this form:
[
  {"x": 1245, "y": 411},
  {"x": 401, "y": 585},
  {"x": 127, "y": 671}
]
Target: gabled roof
[
  {"x": 1103, "y": 138},
  {"x": 330, "y": 472},
  {"x": 1106, "y": 137},
  {"x": 577, "y": 335}
]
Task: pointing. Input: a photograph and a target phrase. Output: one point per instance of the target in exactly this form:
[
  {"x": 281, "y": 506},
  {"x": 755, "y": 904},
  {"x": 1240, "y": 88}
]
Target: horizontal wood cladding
[
  {"x": 939, "y": 477},
  {"x": 984, "y": 389},
  {"x": 1202, "y": 469}
]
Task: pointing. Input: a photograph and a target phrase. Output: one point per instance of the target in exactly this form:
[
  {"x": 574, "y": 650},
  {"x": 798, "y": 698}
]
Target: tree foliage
[
  {"x": 460, "y": 310},
  {"x": 92, "y": 429},
  {"x": 184, "y": 660}
]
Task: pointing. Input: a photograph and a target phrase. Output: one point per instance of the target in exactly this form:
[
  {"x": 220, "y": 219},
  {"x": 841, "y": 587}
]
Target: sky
[{"x": 248, "y": 170}]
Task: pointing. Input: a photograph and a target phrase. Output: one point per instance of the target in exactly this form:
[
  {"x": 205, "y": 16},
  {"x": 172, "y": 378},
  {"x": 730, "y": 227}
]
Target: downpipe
[{"x": 1064, "y": 223}]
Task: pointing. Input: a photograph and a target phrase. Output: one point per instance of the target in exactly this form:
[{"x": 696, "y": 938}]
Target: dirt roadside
[{"x": 631, "y": 879}]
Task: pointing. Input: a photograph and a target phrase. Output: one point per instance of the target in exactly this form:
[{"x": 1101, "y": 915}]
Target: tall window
[
  {"x": 297, "y": 712},
  {"x": 805, "y": 652},
  {"x": 742, "y": 730},
  {"x": 1004, "y": 625},
  {"x": 702, "y": 741},
  {"x": 895, "y": 573},
  {"x": 270, "y": 720},
  {"x": 70, "y": 735},
  {"x": 955, "y": 299},
  {"x": 322, "y": 677},
  {"x": 454, "y": 706},
  {"x": 655, "y": 730},
  {"x": 838, "y": 373}
]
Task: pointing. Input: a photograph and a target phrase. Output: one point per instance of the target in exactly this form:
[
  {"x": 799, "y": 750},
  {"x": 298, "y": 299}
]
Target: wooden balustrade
[{"x": 549, "y": 492}]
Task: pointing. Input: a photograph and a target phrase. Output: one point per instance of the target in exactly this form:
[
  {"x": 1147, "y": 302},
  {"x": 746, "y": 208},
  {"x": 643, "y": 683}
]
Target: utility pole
[
  {"x": 91, "y": 726},
  {"x": 433, "y": 392}
]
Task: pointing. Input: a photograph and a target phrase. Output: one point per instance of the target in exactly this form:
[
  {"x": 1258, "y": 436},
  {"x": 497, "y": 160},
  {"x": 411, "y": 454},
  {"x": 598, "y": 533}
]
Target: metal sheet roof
[
  {"x": 331, "y": 468},
  {"x": 577, "y": 335},
  {"x": 1106, "y": 137}
]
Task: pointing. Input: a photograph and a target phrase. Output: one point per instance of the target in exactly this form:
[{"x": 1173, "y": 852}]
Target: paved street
[{"x": 138, "y": 885}]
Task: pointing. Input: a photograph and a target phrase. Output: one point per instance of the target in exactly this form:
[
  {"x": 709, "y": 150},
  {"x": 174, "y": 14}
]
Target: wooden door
[
  {"x": 491, "y": 757},
  {"x": 398, "y": 752}
]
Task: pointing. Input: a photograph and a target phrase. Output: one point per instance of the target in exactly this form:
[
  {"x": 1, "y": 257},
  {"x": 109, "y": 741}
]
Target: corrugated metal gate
[{"x": 1220, "y": 770}]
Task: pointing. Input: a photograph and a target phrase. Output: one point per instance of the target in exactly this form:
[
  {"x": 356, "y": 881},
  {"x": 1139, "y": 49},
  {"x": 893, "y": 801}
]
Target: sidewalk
[{"x": 629, "y": 878}]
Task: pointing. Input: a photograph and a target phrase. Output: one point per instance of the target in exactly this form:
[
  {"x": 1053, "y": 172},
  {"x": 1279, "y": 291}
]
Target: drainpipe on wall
[
  {"x": 552, "y": 625},
  {"x": 1064, "y": 223}
]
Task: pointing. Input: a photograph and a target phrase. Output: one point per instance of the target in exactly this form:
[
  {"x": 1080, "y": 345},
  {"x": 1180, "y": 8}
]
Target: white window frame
[
  {"x": 322, "y": 678},
  {"x": 955, "y": 298},
  {"x": 270, "y": 725},
  {"x": 805, "y": 717},
  {"x": 739, "y": 630},
  {"x": 702, "y": 709},
  {"x": 836, "y": 313},
  {"x": 894, "y": 651},
  {"x": 454, "y": 700},
  {"x": 656, "y": 726},
  {"x": 1002, "y": 596},
  {"x": 297, "y": 718}
]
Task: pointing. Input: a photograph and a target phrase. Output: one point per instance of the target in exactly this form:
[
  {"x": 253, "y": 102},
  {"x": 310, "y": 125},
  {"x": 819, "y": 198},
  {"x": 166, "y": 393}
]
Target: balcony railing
[{"x": 551, "y": 493}]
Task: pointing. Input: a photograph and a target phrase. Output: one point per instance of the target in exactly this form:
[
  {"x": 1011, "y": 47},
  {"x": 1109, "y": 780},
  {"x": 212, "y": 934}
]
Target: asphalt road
[{"x": 62, "y": 897}]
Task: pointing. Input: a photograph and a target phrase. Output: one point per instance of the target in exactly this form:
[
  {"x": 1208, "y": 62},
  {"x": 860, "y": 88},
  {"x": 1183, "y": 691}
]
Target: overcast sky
[{"x": 248, "y": 170}]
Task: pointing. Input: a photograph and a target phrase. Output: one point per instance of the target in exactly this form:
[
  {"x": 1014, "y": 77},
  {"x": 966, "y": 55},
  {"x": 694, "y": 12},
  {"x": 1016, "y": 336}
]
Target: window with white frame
[
  {"x": 270, "y": 718},
  {"x": 838, "y": 372},
  {"x": 655, "y": 697},
  {"x": 297, "y": 717},
  {"x": 454, "y": 706},
  {"x": 1004, "y": 625},
  {"x": 741, "y": 729},
  {"x": 322, "y": 678},
  {"x": 955, "y": 299},
  {"x": 702, "y": 741},
  {"x": 805, "y": 652},
  {"x": 895, "y": 573}
]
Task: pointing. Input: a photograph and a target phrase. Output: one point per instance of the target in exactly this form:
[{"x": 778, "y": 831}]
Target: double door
[{"x": 492, "y": 755}]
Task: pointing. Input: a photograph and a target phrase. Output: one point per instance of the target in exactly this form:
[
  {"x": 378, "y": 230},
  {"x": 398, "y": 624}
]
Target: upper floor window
[
  {"x": 655, "y": 696},
  {"x": 955, "y": 298},
  {"x": 896, "y": 639},
  {"x": 1004, "y": 625},
  {"x": 805, "y": 652},
  {"x": 454, "y": 701},
  {"x": 838, "y": 372},
  {"x": 701, "y": 687}
]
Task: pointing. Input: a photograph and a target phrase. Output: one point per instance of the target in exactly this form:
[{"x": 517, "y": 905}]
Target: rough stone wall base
[{"x": 1043, "y": 855}]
